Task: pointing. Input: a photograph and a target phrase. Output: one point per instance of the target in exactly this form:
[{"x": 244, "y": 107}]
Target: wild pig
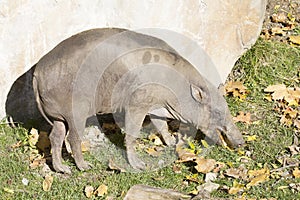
[{"x": 114, "y": 70}]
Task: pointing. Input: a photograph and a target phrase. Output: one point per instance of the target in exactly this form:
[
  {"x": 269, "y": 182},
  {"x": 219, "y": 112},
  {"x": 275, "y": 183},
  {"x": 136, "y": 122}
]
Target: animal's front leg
[
  {"x": 159, "y": 119},
  {"x": 162, "y": 127},
  {"x": 133, "y": 123}
]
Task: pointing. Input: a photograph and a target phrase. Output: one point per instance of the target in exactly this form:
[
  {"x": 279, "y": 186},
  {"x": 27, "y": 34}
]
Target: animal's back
[
  {"x": 69, "y": 74},
  {"x": 56, "y": 71}
]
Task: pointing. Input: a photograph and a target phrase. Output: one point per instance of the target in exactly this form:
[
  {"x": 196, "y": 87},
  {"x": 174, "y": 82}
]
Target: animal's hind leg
[
  {"x": 57, "y": 137},
  {"x": 75, "y": 143},
  {"x": 133, "y": 122}
]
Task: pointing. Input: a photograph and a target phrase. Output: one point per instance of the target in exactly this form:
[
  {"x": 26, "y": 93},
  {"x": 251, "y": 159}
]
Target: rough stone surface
[
  {"x": 151, "y": 193},
  {"x": 210, "y": 34}
]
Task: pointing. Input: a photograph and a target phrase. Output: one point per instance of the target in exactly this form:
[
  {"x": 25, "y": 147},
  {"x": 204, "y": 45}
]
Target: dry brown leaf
[
  {"x": 287, "y": 99},
  {"x": 155, "y": 139},
  {"x": 8, "y": 190},
  {"x": 253, "y": 173},
  {"x": 295, "y": 92},
  {"x": 258, "y": 176},
  {"x": 243, "y": 117},
  {"x": 240, "y": 172},
  {"x": 279, "y": 17},
  {"x": 297, "y": 123},
  {"x": 152, "y": 152},
  {"x": 277, "y": 31},
  {"x": 286, "y": 121},
  {"x": 236, "y": 188},
  {"x": 37, "y": 163},
  {"x": 288, "y": 116},
  {"x": 185, "y": 155},
  {"x": 101, "y": 190},
  {"x": 251, "y": 138},
  {"x": 205, "y": 165},
  {"x": 293, "y": 97},
  {"x": 291, "y": 112},
  {"x": 176, "y": 169},
  {"x": 279, "y": 91},
  {"x": 296, "y": 173},
  {"x": 159, "y": 178},
  {"x": 295, "y": 187},
  {"x": 236, "y": 88},
  {"x": 257, "y": 180},
  {"x": 47, "y": 183},
  {"x": 33, "y": 137},
  {"x": 294, "y": 149},
  {"x": 89, "y": 191},
  {"x": 34, "y": 154},
  {"x": 268, "y": 97},
  {"x": 85, "y": 145},
  {"x": 232, "y": 172},
  {"x": 273, "y": 88},
  {"x": 219, "y": 166},
  {"x": 295, "y": 39},
  {"x": 16, "y": 145},
  {"x": 192, "y": 178}
]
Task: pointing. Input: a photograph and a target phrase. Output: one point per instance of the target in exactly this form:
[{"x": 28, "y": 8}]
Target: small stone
[{"x": 25, "y": 181}]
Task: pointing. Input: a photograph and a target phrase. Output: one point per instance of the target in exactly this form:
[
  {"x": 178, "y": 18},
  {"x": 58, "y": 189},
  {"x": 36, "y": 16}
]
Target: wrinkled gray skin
[{"x": 113, "y": 70}]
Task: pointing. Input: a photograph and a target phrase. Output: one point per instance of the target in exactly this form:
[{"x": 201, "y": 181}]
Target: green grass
[{"x": 265, "y": 64}]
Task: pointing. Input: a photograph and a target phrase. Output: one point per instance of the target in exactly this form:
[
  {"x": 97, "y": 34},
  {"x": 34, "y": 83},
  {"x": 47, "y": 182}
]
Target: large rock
[
  {"x": 210, "y": 34},
  {"x": 152, "y": 193}
]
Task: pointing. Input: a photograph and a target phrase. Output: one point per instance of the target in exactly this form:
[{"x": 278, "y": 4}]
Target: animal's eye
[
  {"x": 196, "y": 93},
  {"x": 199, "y": 95}
]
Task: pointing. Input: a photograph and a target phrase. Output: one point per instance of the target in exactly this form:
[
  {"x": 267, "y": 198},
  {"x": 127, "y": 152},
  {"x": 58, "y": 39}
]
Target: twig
[{"x": 284, "y": 167}]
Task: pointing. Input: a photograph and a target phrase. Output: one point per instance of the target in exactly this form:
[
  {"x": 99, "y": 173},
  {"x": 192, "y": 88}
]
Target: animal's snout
[{"x": 231, "y": 137}]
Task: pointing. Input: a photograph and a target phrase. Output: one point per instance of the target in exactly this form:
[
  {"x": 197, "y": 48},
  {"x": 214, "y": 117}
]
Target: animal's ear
[{"x": 197, "y": 93}]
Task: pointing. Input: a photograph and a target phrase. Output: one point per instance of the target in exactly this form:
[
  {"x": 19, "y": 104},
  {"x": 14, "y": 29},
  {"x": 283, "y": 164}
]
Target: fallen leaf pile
[
  {"x": 191, "y": 154},
  {"x": 287, "y": 101},
  {"x": 282, "y": 23},
  {"x": 236, "y": 89},
  {"x": 242, "y": 178},
  {"x": 32, "y": 143}
]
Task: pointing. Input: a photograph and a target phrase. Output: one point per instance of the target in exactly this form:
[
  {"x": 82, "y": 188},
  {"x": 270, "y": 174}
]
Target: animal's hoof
[
  {"x": 62, "y": 169},
  {"x": 84, "y": 166}
]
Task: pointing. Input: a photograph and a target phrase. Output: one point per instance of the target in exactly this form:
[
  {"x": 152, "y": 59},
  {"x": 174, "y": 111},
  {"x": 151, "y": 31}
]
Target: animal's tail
[{"x": 38, "y": 100}]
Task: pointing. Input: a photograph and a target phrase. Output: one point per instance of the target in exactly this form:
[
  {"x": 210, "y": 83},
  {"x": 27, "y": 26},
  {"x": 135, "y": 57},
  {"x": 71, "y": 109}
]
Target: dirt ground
[{"x": 282, "y": 19}]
